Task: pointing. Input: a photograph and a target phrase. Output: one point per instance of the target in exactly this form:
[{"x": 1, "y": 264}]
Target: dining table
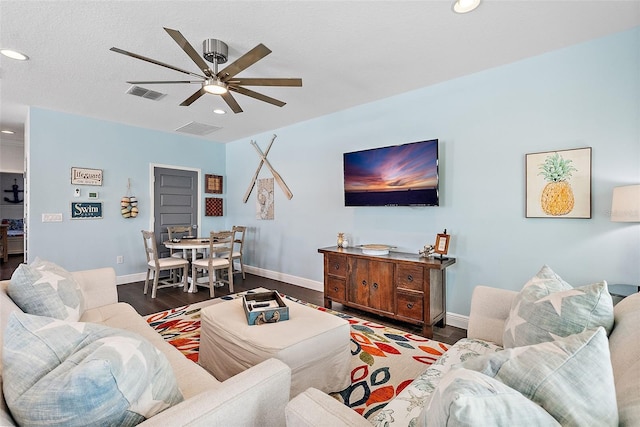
[{"x": 189, "y": 244}]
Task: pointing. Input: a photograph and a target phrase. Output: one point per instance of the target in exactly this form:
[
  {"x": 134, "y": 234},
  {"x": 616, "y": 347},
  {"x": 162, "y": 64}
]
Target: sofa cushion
[
  {"x": 77, "y": 374},
  {"x": 547, "y": 307},
  {"x": 405, "y": 409},
  {"x": 463, "y": 397},
  {"x": 571, "y": 378},
  {"x": 46, "y": 289}
]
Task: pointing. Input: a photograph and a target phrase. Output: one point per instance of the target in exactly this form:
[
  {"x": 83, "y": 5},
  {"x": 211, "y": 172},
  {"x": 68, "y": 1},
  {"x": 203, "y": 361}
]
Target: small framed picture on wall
[{"x": 213, "y": 184}]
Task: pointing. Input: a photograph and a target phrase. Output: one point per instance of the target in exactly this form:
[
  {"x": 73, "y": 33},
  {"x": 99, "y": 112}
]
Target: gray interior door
[{"x": 175, "y": 202}]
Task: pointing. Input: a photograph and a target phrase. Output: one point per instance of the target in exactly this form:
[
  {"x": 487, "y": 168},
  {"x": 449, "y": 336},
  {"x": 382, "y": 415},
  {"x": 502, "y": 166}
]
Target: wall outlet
[{"x": 120, "y": 259}]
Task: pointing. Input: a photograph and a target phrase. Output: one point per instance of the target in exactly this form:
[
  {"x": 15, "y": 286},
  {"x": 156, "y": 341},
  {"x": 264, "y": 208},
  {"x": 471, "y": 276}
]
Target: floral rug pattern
[{"x": 384, "y": 360}]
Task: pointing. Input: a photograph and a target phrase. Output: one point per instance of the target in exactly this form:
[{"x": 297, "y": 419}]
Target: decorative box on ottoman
[
  {"x": 315, "y": 345},
  {"x": 264, "y": 307}
]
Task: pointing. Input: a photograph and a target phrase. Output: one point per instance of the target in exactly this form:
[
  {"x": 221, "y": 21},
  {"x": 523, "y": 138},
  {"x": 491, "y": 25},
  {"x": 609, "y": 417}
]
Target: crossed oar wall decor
[{"x": 276, "y": 175}]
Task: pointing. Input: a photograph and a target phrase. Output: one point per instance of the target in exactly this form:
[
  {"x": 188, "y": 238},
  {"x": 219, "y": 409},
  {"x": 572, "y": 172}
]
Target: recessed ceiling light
[
  {"x": 7, "y": 131},
  {"x": 14, "y": 54},
  {"x": 464, "y": 6},
  {"x": 219, "y": 111}
]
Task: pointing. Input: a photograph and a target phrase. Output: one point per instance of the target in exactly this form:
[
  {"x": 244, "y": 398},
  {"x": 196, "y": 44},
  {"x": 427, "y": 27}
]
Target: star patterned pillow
[
  {"x": 82, "y": 373},
  {"x": 547, "y": 308},
  {"x": 46, "y": 289}
]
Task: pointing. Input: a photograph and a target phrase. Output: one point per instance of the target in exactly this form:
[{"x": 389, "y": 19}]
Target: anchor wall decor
[
  {"x": 15, "y": 191},
  {"x": 276, "y": 175}
]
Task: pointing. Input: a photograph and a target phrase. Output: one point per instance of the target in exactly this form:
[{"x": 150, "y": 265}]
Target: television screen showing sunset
[{"x": 398, "y": 169}]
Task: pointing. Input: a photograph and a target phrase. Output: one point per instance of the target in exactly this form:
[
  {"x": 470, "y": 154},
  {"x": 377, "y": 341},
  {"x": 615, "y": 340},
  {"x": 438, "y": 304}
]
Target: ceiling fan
[{"x": 219, "y": 82}]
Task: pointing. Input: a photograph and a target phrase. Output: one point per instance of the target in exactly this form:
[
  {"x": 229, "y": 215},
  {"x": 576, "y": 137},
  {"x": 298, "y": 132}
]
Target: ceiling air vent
[
  {"x": 195, "y": 128},
  {"x": 145, "y": 93}
]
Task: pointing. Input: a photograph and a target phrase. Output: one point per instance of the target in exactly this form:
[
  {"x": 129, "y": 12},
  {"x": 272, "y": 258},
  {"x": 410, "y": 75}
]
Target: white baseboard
[
  {"x": 294, "y": 280},
  {"x": 130, "y": 278},
  {"x": 458, "y": 320},
  {"x": 287, "y": 278},
  {"x": 453, "y": 319}
]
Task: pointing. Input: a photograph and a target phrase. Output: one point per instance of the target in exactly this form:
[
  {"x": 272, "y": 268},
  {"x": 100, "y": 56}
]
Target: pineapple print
[{"x": 557, "y": 197}]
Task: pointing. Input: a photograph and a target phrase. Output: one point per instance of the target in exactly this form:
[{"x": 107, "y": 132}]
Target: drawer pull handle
[
  {"x": 335, "y": 288},
  {"x": 364, "y": 283},
  {"x": 410, "y": 278},
  {"x": 375, "y": 285},
  {"x": 337, "y": 266},
  {"x": 410, "y": 305}
]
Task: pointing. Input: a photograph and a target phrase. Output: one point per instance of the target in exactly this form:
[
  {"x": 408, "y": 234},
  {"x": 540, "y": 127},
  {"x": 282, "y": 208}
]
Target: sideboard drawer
[
  {"x": 335, "y": 289},
  {"x": 410, "y": 277},
  {"x": 410, "y": 306},
  {"x": 336, "y": 265}
]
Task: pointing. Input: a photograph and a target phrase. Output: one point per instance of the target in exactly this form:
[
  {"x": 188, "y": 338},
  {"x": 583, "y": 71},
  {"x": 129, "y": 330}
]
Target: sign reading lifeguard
[{"x": 84, "y": 176}]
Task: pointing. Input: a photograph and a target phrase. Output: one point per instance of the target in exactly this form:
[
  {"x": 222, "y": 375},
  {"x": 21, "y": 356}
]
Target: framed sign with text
[
  {"x": 86, "y": 210},
  {"x": 442, "y": 244},
  {"x": 84, "y": 176}
]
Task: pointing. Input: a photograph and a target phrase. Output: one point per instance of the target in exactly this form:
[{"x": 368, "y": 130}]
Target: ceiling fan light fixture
[
  {"x": 215, "y": 87},
  {"x": 219, "y": 111},
  {"x": 464, "y": 6}
]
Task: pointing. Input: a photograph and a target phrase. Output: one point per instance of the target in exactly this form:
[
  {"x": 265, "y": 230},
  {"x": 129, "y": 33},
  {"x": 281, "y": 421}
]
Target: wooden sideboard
[{"x": 400, "y": 286}]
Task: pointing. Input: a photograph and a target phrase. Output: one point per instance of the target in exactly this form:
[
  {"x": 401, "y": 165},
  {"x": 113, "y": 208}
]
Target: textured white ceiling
[{"x": 347, "y": 52}]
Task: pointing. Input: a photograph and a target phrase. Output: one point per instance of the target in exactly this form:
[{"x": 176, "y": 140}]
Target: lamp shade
[{"x": 625, "y": 206}]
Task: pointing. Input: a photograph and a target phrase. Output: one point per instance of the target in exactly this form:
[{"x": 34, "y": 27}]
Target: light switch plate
[{"x": 51, "y": 217}]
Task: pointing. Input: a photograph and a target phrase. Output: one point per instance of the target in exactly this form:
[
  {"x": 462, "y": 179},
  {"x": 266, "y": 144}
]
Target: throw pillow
[
  {"x": 77, "y": 374},
  {"x": 46, "y": 289},
  {"x": 464, "y": 397},
  {"x": 547, "y": 307},
  {"x": 571, "y": 378}
]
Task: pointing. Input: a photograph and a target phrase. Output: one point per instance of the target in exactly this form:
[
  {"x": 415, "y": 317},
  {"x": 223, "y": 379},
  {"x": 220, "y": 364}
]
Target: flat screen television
[{"x": 399, "y": 175}]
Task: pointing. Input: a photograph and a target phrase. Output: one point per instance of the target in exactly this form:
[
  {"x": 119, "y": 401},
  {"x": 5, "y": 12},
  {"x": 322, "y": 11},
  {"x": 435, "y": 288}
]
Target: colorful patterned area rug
[{"x": 384, "y": 360}]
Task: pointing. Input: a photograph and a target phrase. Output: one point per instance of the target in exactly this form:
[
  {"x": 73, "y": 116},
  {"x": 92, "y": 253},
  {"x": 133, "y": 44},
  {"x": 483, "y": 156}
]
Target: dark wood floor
[
  {"x": 167, "y": 298},
  {"x": 7, "y": 268}
]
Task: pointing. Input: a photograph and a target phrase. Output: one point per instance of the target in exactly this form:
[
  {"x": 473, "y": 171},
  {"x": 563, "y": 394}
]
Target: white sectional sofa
[
  {"x": 490, "y": 309},
  {"x": 254, "y": 397}
]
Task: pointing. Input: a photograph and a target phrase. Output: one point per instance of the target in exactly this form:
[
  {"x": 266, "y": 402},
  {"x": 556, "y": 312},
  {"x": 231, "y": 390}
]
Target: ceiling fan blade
[
  {"x": 153, "y": 61},
  {"x": 256, "y": 95},
  {"x": 163, "y": 82},
  {"x": 189, "y": 50},
  {"x": 231, "y": 102},
  {"x": 193, "y": 97},
  {"x": 266, "y": 82},
  {"x": 245, "y": 61}
]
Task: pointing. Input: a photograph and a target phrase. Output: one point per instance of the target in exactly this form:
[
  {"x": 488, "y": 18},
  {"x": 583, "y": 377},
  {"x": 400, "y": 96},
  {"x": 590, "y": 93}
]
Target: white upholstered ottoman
[{"x": 315, "y": 345}]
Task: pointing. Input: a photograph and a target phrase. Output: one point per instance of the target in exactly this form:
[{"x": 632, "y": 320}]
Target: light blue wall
[
  {"x": 59, "y": 141},
  {"x": 584, "y": 96}
]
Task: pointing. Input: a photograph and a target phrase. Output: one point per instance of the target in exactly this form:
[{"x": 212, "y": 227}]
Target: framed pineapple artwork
[{"x": 559, "y": 184}]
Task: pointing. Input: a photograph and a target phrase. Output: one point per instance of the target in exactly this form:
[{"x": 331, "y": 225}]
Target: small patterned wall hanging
[
  {"x": 213, "y": 184},
  {"x": 264, "y": 199},
  {"x": 129, "y": 203},
  {"x": 213, "y": 206}
]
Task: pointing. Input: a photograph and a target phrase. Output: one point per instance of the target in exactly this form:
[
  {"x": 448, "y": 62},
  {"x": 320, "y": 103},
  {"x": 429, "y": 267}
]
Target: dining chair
[
  {"x": 156, "y": 264},
  {"x": 220, "y": 244},
  {"x": 178, "y": 232},
  {"x": 238, "y": 245}
]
